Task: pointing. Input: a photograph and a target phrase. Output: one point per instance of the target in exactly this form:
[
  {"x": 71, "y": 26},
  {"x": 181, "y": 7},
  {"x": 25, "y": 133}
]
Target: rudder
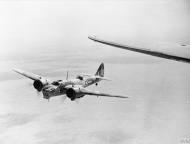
[{"x": 100, "y": 71}]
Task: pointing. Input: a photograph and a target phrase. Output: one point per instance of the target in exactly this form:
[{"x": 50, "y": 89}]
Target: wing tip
[
  {"x": 92, "y": 37},
  {"x": 16, "y": 70},
  {"x": 124, "y": 97}
]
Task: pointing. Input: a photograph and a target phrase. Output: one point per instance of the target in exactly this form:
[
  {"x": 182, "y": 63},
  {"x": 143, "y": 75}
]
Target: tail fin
[{"x": 100, "y": 71}]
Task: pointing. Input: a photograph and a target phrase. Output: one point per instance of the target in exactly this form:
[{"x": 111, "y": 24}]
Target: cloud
[
  {"x": 56, "y": 136},
  {"x": 64, "y": 119},
  {"x": 115, "y": 136},
  {"x": 67, "y": 136},
  {"x": 16, "y": 119}
]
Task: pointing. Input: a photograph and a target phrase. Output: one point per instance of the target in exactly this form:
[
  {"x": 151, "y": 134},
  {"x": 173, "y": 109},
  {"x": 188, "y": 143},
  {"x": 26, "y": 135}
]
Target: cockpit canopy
[
  {"x": 56, "y": 83},
  {"x": 79, "y": 77}
]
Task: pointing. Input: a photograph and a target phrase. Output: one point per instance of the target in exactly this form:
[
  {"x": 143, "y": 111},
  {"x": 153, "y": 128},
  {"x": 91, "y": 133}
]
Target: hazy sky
[
  {"x": 48, "y": 24},
  {"x": 50, "y": 37}
]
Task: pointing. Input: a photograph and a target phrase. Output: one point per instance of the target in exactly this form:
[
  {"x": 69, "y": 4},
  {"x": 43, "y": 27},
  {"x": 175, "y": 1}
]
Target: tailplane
[{"x": 99, "y": 73}]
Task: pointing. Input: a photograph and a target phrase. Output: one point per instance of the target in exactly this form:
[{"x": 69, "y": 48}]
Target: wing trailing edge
[{"x": 97, "y": 93}]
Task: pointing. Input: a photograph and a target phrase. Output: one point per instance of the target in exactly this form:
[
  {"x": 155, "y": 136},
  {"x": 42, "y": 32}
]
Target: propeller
[
  {"x": 38, "y": 93},
  {"x": 31, "y": 85},
  {"x": 77, "y": 100},
  {"x": 64, "y": 98}
]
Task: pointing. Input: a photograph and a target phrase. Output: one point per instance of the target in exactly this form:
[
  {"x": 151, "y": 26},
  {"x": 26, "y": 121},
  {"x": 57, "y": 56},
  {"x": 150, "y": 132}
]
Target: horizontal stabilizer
[
  {"x": 96, "y": 76},
  {"x": 102, "y": 78}
]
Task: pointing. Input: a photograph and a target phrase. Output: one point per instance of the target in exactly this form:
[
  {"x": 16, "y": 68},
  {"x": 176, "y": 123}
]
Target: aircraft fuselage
[{"x": 59, "y": 87}]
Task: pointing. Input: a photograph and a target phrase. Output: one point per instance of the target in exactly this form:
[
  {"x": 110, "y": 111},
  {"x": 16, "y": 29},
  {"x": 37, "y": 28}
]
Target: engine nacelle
[
  {"x": 74, "y": 93},
  {"x": 39, "y": 84}
]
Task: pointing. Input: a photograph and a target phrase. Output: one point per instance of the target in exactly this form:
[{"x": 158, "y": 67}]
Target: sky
[{"x": 50, "y": 38}]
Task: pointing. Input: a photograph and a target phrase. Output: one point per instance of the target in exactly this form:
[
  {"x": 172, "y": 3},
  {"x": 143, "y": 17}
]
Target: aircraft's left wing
[
  {"x": 97, "y": 93},
  {"x": 28, "y": 74}
]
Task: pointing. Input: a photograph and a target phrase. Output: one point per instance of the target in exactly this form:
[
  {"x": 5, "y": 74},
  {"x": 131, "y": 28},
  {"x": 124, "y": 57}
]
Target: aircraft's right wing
[
  {"x": 97, "y": 93},
  {"x": 28, "y": 74},
  {"x": 165, "y": 55}
]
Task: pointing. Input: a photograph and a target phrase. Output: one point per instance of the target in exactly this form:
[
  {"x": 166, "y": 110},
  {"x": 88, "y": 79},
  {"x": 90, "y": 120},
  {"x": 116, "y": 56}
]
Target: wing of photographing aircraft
[{"x": 160, "y": 54}]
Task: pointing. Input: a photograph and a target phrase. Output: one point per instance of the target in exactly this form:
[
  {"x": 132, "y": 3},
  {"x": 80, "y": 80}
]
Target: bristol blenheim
[{"x": 73, "y": 88}]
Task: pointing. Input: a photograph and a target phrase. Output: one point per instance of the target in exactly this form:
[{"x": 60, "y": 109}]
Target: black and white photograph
[{"x": 94, "y": 72}]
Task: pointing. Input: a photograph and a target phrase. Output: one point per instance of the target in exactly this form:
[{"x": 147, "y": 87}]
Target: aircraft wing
[
  {"x": 160, "y": 54},
  {"x": 28, "y": 74},
  {"x": 97, "y": 93}
]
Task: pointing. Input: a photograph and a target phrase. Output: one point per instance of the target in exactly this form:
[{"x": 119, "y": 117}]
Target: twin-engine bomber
[{"x": 73, "y": 88}]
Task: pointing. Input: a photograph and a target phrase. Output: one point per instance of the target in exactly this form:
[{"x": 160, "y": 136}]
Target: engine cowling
[
  {"x": 39, "y": 84},
  {"x": 74, "y": 93}
]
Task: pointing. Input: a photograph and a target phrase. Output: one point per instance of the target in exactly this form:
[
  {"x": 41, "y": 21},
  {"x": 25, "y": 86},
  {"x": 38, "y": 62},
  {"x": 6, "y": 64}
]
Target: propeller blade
[
  {"x": 29, "y": 84},
  {"x": 38, "y": 93},
  {"x": 77, "y": 100},
  {"x": 64, "y": 98}
]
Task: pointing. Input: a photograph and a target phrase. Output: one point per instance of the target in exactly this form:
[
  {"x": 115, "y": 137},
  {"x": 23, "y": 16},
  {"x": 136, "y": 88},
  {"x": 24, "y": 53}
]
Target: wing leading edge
[
  {"x": 28, "y": 74},
  {"x": 143, "y": 50}
]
